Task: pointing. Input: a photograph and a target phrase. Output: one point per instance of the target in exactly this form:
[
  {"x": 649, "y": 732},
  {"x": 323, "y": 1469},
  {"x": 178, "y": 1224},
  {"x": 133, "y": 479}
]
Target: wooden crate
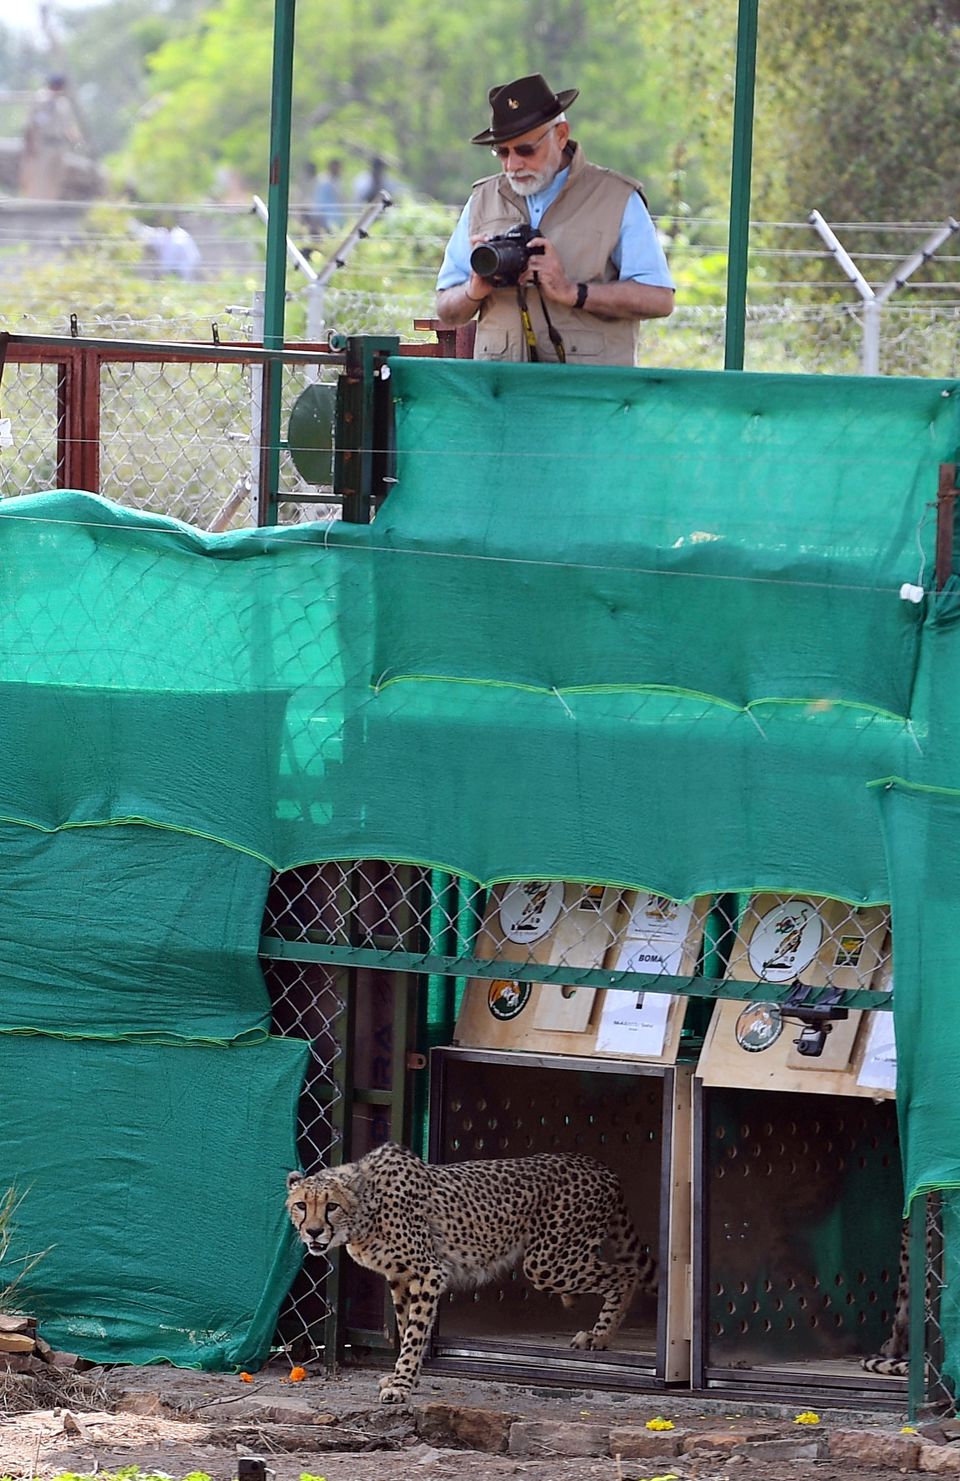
[
  {"x": 796, "y": 1219},
  {"x": 581, "y": 926},
  {"x": 832, "y": 945},
  {"x": 636, "y": 1118}
]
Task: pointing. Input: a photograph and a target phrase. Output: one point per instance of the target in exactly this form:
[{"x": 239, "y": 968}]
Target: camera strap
[{"x": 556, "y": 338}]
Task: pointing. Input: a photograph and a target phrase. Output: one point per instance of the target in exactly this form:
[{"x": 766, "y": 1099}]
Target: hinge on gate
[{"x": 946, "y": 518}]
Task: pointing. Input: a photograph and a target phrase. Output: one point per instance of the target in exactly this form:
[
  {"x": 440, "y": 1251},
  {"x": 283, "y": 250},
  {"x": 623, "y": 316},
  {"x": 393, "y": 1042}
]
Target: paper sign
[
  {"x": 633, "y": 1024},
  {"x": 655, "y": 937},
  {"x": 879, "y": 1068}
]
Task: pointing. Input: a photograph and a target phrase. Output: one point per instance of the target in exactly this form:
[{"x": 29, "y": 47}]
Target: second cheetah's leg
[{"x": 423, "y": 1294}]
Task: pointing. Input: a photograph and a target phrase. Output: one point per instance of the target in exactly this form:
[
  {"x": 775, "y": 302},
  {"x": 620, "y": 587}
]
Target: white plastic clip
[{"x": 911, "y": 593}]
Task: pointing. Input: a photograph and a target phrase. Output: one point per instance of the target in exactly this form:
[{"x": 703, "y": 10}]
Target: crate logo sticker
[
  {"x": 507, "y": 999},
  {"x": 659, "y": 909},
  {"x": 785, "y": 941},
  {"x": 530, "y": 909},
  {"x": 849, "y": 951}
]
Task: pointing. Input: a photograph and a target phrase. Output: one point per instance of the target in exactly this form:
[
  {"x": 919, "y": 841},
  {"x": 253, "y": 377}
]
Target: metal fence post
[
  {"x": 873, "y": 301},
  {"x": 361, "y": 454}
]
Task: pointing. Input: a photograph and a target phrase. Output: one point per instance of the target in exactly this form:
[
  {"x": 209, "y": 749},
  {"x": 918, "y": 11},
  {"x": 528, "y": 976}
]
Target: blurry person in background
[
  {"x": 374, "y": 179},
  {"x": 328, "y": 206},
  {"x": 171, "y": 250},
  {"x": 51, "y": 134}
]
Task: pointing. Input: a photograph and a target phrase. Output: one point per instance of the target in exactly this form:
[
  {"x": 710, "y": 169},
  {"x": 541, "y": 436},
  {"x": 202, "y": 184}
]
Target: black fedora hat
[{"x": 522, "y": 105}]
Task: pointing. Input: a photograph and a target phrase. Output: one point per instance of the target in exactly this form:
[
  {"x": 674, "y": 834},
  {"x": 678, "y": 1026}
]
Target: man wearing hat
[{"x": 601, "y": 269}]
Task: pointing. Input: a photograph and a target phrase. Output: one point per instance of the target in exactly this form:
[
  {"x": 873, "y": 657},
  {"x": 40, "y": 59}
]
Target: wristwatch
[{"x": 581, "y": 295}]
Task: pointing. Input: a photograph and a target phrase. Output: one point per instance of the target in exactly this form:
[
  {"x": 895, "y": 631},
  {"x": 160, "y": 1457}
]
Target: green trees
[
  {"x": 858, "y": 109},
  {"x": 856, "y": 103},
  {"x": 406, "y": 82}
]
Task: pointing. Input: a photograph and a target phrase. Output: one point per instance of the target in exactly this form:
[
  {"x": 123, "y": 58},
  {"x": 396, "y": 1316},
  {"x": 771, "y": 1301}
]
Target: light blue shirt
[{"x": 637, "y": 255}]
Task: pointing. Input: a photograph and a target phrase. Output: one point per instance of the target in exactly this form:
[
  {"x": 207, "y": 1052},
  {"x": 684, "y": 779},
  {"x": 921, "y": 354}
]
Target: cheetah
[
  {"x": 893, "y": 1359},
  {"x": 431, "y": 1229}
]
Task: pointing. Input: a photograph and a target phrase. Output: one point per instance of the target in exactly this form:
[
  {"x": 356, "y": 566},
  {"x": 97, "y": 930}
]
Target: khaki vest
[{"x": 583, "y": 223}]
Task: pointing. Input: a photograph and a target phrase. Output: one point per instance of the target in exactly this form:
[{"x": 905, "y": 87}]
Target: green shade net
[
  {"x": 131, "y": 931},
  {"x": 621, "y": 626},
  {"x": 149, "y": 1191}
]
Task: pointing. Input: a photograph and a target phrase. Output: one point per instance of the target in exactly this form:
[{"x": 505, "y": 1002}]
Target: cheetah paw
[
  {"x": 392, "y": 1392},
  {"x": 589, "y": 1342}
]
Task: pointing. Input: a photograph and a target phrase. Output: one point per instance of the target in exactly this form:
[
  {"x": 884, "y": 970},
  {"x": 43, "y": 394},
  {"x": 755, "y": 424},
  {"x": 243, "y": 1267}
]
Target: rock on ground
[{"x": 173, "y": 1421}]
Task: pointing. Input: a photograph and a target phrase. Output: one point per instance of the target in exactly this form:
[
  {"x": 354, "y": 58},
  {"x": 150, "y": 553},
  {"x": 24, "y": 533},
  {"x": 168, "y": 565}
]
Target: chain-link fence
[
  {"x": 526, "y": 964},
  {"x": 923, "y": 1243},
  {"x": 170, "y": 435},
  {"x": 554, "y": 968},
  {"x": 183, "y": 438},
  {"x": 309, "y": 1002},
  {"x": 563, "y": 949}
]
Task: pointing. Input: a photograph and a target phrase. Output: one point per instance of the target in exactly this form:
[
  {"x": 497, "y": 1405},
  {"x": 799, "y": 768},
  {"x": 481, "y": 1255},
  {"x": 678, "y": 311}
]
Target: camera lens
[{"x": 485, "y": 260}]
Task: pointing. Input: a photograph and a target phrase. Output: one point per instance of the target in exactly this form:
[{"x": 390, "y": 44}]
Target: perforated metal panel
[
  {"x": 797, "y": 1225},
  {"x": 486, "y": 1104}
]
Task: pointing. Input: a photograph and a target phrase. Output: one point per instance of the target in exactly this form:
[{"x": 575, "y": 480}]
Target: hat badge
[{"x": 513, "y": 103}]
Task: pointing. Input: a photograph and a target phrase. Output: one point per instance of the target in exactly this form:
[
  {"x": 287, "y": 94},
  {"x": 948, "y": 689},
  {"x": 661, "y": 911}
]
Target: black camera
[
  {"x": 813, "y": 1039},
  {"x": 503, "y": 259}
]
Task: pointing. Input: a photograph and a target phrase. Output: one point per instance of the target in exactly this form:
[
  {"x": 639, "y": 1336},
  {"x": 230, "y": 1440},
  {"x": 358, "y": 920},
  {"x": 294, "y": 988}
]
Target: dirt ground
[{"x": 174, "y": 1422}]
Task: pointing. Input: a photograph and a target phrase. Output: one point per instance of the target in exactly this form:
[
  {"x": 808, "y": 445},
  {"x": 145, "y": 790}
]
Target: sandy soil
[{"x": 175, "y": 1422}]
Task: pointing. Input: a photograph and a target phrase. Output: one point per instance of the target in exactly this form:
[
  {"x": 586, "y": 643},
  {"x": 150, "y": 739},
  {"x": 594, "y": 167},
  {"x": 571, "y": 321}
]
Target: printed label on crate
[
  {"x": 507, "y": 999},
  {"x": 530, "y": 909},
  {"x": 633, "y": 1024},
  {"x": 656, "y": 936},
  {"x": 785, "y": 941}
]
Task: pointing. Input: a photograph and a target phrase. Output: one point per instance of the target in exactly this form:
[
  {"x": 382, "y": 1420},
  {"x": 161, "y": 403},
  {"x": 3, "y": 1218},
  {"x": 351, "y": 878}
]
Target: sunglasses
[{"x": 523, "y": 151}]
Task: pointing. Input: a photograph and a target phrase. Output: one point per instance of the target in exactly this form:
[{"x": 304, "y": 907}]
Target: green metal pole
[
  {"x": 740, "y": 184},
  {"x": 275, "y": 281}
]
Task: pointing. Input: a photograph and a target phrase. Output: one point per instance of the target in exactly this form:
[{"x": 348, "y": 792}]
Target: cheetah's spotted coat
[{"x": 430, "y": 1229}]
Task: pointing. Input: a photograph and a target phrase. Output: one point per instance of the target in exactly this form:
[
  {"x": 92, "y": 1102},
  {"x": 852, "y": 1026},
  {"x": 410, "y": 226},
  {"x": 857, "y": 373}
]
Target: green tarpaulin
[
  {"x": 146, "y": 1180},
  {"x": 620, "y": 626}
]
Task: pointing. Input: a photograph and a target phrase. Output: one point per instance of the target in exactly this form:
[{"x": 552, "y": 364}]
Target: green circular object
[{"x": 310, "y": 432}]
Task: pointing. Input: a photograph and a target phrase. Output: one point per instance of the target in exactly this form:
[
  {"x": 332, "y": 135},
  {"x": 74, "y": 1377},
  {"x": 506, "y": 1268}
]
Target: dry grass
[
  {"x": 10, "y": 1201},
  {"x": 54, "y": 1388}
]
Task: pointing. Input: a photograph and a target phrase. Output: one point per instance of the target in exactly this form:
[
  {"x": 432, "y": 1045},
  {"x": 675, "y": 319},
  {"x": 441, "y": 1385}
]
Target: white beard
[{"x": 531, "y": 183}]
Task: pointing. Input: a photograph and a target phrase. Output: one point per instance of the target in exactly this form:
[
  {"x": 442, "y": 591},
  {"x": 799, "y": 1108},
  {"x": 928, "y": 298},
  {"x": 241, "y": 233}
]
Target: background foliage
[{"x": 856, "y": 103}]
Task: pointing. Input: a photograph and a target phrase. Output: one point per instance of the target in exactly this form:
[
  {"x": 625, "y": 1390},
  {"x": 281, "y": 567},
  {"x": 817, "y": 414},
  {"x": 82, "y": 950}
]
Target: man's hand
[
  {"x": 546, "y": 269},
  {"x": 458, "y": 305},
  {"x": 623, "y": 298}
]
